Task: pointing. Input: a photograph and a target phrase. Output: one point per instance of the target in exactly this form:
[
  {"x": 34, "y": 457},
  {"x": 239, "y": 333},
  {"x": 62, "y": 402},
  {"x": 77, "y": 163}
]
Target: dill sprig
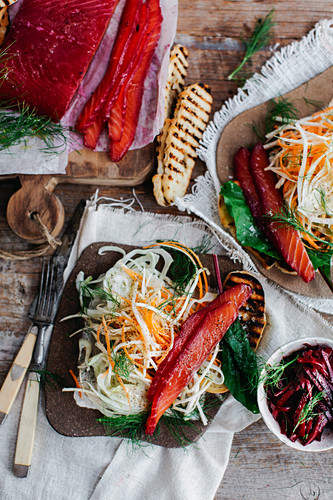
[
  {"x": 18, "y": 127},
  {"x": 261, "y": 37},
  {"x": 281, "y": 109},
  {"x": 287, "y": 218},
  {"x": 89, "y": 292},
  {"x": 273, "y": 374},
  {"x": 50, "y": 379},
  {"x": 132, "y": 427},
  {"x": 122, "y": 365},
  {"x": 310, "y": 410}
]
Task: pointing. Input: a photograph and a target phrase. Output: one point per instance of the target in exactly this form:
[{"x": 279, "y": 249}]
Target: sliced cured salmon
[
  {"x": 132, "y": 98},
  {"x": 236, "y": 295},
  {"x": 50, "y": 46},
  {"x": 115, "y": 74},
  {"x": 194, "y": 352},
  {"x": 285, "y": 239}
]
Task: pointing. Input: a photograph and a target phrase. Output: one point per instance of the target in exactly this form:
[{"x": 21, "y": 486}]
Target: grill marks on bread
[
  {"x": 252, "y": 314},
  {"x": 178, "y": 142},
  {"x": 177, "y": 72}
]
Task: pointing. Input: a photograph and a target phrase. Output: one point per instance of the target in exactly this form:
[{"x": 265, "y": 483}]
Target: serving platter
[
  {"x": 64, "y": 415},
  {"x": 308, "y": 98}
]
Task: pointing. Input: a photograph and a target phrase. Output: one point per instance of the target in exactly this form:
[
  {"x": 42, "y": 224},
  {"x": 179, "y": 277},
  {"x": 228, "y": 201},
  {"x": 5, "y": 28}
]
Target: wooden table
[{"x": 260, "y": 466}]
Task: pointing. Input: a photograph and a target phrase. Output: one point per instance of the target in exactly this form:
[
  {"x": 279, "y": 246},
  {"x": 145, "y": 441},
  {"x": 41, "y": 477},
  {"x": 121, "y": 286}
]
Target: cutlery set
[{"x": 32, "y": 354}]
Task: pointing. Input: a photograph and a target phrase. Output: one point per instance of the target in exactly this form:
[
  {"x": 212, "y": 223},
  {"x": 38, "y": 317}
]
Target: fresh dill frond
[
  {"x": 309, "y": 411},
  {"x": 181, "y": 271},
  {"x": 16, "y": 127},
  {"x": 260, "y": 134},
  {"x": 273, "y": 374},
  {"x": 131, "y": 427},
  {"x": 89, "y": 292},
  {"x": 281, "y": 109},
  {"x": 50, "y": 379},
  {"x": 122, "y": 365},
  {"x": 323, "y": 201},
  {"x": 314, "y": 103},
  {"x": 261, "y": 37},
  {"x": 287, "y": 218},
  {"x": 205, "y": 246}
]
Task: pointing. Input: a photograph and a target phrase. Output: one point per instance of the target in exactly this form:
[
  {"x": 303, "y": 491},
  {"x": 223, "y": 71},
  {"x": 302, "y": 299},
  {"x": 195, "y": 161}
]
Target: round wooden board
[{"x": 239, "y": 133}]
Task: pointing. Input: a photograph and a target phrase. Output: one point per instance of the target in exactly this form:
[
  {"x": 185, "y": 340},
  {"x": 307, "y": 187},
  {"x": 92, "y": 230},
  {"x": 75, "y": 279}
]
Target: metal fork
[{"x": 40, "y": 313}]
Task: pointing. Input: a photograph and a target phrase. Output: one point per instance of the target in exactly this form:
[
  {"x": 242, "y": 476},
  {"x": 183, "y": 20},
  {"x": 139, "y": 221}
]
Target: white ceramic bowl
[{"x": 326, "y": 442}]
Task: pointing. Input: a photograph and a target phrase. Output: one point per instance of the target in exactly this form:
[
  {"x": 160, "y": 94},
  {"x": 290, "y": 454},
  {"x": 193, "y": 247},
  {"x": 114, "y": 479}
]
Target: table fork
[
  {"x": 43, "y": 317},
  {"x": 40, "y": 314}
]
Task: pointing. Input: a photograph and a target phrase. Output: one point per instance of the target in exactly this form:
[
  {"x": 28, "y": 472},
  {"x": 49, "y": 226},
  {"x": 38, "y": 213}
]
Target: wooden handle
[
  {"x": 27, "y": 427},
  {"x": 16, "y": 374},
  {"x": 35, "y": 196}
]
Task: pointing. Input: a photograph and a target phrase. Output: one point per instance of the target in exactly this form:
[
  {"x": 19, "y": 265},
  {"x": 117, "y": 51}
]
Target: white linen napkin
[{"x": 103, "y": 468}]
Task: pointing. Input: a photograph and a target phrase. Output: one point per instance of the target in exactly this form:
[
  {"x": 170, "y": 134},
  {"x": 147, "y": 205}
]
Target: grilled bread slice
[
  {"x": 4, "y": 23},
  {"x": 180, "y": 140},
  {"x": 177, "y": 72},
  {"x": 251, "y": 315}
]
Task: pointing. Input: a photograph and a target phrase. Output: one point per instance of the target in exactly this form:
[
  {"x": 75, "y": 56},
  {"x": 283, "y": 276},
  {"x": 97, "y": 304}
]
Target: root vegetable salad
[
  {"x": 132, "y": 314},
  {"x": 301, "y": 154}
]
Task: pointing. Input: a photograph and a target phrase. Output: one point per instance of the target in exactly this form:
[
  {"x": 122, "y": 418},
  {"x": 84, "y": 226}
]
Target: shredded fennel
[
  {"x": 132, "y": 314},
  {"x": 301, "y": 155}
]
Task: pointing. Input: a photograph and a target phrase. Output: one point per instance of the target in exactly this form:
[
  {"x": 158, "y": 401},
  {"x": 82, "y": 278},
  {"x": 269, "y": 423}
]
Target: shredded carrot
[{"x": 76, "y": 381}]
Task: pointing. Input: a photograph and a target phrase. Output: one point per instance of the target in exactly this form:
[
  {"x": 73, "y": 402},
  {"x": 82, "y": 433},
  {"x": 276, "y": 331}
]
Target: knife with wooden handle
[{"x": 14, "y": 379}]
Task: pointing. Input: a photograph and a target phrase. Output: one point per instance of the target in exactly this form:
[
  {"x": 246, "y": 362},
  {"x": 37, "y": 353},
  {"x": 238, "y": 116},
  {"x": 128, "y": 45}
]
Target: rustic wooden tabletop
[{"x": 260, "y": 466}]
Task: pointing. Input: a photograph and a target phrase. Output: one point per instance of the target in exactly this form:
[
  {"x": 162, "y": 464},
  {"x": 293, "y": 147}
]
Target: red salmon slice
[
  {"x": 134, "y": 91},
  {"x": 209, "y": 332},
  {"x": 235, "y": 294},
  {"x": 50, "y": 46},
  {"x": 120, "y": 58},
  {"x": 285, "y": 239},
  {"x": 195, "y": 351}
]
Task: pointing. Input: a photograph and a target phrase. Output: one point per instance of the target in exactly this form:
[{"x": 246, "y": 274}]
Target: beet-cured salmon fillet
[
  {"x": 194, "y": 352},
  {"x": 50, "y": 46},
  {"x": 285, "y": 239},
  {"x": 234, "y": 294}
]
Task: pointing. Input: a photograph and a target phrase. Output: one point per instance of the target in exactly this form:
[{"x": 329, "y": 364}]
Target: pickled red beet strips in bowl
[{"x": 300, "y": 393}]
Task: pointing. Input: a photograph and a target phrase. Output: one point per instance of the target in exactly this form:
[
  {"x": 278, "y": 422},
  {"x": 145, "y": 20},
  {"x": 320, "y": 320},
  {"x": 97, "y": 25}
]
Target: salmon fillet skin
[{"x": 48, "y": 51}]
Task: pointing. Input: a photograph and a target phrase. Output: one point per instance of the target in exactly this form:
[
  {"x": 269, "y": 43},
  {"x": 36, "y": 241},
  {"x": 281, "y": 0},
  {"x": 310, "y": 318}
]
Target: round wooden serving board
[{"x": 308, "y": 98}]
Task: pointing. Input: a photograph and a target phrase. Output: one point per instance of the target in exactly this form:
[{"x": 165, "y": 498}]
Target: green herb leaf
[
  {"x": 247, "y": 232},
  {"x": 261, "y": 37},
  {"x": 280, "y": 108},
  {"x": 239, "y": 366}
]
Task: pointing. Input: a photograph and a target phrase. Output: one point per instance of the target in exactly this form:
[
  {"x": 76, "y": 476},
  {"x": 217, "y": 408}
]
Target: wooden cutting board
[
  {"x": 84, "y": 167},
  {"x": 64, "y": 415},
  {"x": 308, "y": 98}
]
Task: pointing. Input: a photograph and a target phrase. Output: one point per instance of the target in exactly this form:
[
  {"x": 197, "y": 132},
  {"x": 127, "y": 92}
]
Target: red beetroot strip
[
  {"x": 264, "y": 200},
  {"x": 198, "y": 338},
  {"x": 308, "y": 377}
]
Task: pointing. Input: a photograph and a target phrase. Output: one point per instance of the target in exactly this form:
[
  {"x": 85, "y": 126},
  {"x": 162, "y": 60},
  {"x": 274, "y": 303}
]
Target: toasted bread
[
  {"x": 251, "y": 315},
  {"x": 177, "y": 72},
  {"x": 4, "y": 23},
  {"x": 179, "y": 140}
]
